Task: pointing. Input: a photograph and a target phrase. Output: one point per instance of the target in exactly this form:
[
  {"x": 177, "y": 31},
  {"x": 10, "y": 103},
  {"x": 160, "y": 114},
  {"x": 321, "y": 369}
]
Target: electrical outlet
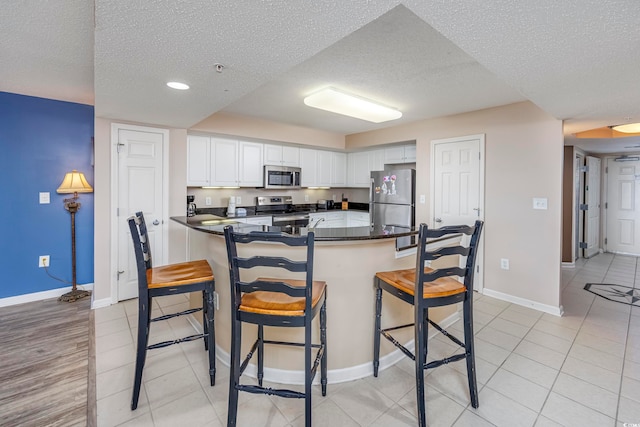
[
  {"x": 504, "y": 263},
  {"x": 540, "y": 203},
  {"x": 238, "y": 200},
  {"x": 207, "y": 201},
  {"x": 423, "y": 199},
  {"x": 43, "y": 261},
  {"x": 216, "y": 300},
  {"x": 306, "y": 197}
]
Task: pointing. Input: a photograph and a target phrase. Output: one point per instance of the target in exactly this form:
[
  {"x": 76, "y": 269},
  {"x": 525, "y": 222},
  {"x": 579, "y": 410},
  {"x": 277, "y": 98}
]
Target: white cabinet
[
  {"x": 259, "y": 220},
  {"x": 250, "y": 164},
  {"x": 338, "y": 169},
  {"x": 321, "y": 168},
  {"x": 308, "y": 164},
  {"x": 224, "y": 163},
  {"x": 357, "y": 219},
  {"x": 281, "y": 155},
  {"x": 358, "y": 167},
  {"x": 198, "y": 161},
  {"x": 400, "y": 154}
]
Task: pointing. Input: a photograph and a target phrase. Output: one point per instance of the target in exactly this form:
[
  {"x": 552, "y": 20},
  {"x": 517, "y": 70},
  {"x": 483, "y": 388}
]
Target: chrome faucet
[{"x": 316, "y": 224}]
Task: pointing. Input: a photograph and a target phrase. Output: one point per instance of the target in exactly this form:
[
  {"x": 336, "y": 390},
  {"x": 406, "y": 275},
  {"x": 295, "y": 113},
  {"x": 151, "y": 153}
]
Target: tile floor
[{"x": 534, "y": 369}]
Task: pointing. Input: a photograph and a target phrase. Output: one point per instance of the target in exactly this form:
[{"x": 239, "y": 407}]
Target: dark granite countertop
[
  {"x": 308, "y": 208},
  {"x": 215, "y": 225}
]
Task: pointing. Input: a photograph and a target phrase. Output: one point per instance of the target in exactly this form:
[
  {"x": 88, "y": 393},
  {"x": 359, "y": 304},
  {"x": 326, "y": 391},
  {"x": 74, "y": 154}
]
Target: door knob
[
  {"x": 156, "y": 222},
  {"x": 438, "y": 220}
]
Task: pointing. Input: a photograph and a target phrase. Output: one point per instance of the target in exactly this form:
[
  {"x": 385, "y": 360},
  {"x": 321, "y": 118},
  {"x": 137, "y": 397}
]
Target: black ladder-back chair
[
  {"x": 424, "y": 287},
  {"x": 192, "y": 276},
  {"x": 274, "y": 302}
]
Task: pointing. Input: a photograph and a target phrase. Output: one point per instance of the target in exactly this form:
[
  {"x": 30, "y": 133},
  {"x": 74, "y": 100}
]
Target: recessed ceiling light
[
  {"x": 627, "y": 128},
  {"x": 178, "y": 85},
  {"x": 330, "y": 99}
]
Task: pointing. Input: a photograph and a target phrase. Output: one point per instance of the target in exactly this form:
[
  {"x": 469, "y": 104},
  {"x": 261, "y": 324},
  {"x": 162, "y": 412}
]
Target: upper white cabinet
[
  {"x": 338, "y": 169},
  {"x": 251, "y": 164},
  {"x": 308, "y": 164},
  {"x": 222, "y": 162},
  {"x": 360, "y": 165},
  {"x": 400, "y": 154},
  {"x": 198, "y": 161},
  {"x": 321, "y": 168},
  {"x": 281, "y": 155}
]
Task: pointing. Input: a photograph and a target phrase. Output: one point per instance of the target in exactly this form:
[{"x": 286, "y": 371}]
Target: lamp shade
[{"x": 75, "y": 182}]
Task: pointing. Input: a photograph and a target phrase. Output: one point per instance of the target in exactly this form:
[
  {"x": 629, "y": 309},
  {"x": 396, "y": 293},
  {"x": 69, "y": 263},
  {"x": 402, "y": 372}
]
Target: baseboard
[
  {"x": 556, "y": 311},
  {"x": 568, "y": 265},
  {"x": 100, "y": 303},
  {"x": 39, "y": 296},
  {"x": 334, "y": 376}
]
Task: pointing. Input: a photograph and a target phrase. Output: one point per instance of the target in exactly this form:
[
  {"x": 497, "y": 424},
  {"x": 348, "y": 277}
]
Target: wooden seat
[
  {"x": 425, "y": 287},
  {"x": 272, "y": 301},
  {"x": 184, "y": 277}
]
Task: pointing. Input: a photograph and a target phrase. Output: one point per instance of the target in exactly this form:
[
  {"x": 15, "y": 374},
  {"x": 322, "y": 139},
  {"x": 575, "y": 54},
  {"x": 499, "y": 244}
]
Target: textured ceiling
[{"x": 576, "y": 59}]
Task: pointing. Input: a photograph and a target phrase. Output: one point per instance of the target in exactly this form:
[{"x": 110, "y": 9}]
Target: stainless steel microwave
[{"x": 281, "y": 177}]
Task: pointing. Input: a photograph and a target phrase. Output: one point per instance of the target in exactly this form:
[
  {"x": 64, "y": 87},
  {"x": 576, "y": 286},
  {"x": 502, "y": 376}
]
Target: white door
[
  {"x": 140, "y": 187},
  {"x": 457, "y": 186},
  {"x": 623, "y": 207},
  {"x": 592, "y": 207}
]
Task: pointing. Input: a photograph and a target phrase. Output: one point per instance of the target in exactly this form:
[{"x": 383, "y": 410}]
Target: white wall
[{"x": 524, "y": 154}]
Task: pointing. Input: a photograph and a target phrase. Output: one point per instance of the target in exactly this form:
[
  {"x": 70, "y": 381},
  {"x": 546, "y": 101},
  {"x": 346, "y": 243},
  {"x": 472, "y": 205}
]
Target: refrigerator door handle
[{"x": 371, "y": 192}]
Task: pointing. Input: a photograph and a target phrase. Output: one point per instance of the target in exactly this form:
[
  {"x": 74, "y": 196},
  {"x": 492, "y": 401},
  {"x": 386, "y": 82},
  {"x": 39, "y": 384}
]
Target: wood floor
[{"x": 47, "y": 364}]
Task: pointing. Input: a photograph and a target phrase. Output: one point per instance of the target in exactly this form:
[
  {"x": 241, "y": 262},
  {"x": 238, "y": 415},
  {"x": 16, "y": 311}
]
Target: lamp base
[{"x": 74, "y": 295}]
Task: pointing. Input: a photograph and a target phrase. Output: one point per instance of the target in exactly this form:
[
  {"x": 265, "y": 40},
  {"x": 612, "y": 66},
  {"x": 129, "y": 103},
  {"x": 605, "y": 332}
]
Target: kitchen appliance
[
  {"x": 322, "y": 204},
  {"x": 282, "y": 211},
  {"x": 392, "y": 201},
  {"x": 330, "y": 204},
  {"x": 281, "y": 177},
  {"x": 231, "y": 207},
  {"x": 191, "y": 207}
]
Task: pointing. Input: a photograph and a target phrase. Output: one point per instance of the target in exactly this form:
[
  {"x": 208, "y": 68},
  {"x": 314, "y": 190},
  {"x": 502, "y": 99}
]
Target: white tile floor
[{"x": 534, "y": 369}]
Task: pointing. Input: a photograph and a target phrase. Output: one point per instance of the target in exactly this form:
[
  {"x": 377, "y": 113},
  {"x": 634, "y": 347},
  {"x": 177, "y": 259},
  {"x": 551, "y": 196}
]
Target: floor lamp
[{"x": 74, "y": 182}]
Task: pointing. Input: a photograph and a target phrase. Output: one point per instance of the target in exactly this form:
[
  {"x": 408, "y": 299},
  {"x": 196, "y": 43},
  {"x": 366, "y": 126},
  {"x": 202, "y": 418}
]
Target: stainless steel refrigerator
[{"x": 392, "y": 201}]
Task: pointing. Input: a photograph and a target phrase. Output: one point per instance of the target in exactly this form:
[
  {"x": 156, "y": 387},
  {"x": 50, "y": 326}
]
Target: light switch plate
[
  {"x": 45, "y": 198},
  {"x": 539, "y": 203},
  {"x": 423, "y": 199}
]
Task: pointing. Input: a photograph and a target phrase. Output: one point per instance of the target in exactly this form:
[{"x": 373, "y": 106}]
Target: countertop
[{"x": 215, "y": 225}]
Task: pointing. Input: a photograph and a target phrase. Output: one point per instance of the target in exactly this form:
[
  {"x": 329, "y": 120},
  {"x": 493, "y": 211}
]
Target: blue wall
[{"x": 41, "y": 140}]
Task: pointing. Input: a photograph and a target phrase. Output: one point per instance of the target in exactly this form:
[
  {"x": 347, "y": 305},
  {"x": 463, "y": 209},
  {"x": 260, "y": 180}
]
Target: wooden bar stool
[
  {"x": 425, "y": 287},
  {"x": 185, "y": 277},
  {"x": 275, "y": 302}
]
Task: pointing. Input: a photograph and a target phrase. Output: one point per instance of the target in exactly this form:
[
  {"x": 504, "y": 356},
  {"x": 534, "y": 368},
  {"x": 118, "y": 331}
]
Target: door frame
[
  {"x": 115, "y": 128},
  {"x": 479, "y": 284}
]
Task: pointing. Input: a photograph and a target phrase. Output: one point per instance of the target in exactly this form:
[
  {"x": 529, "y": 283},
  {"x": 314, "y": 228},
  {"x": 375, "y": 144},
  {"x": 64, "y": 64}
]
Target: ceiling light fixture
[
  {"x": 178, "y": 85},
  {"x": 330, "y": 99},
  {"x": 627, "y": 128}
]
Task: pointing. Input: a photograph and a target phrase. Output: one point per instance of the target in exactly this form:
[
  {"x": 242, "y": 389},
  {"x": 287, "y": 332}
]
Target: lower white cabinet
[
  {"x": 257, "y": 220},
  {"x": 332, "y": 219}
]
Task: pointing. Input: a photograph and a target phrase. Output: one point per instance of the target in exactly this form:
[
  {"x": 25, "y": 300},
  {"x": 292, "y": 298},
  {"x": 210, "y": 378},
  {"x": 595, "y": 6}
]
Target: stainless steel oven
[{"x": 282, "y": 177}]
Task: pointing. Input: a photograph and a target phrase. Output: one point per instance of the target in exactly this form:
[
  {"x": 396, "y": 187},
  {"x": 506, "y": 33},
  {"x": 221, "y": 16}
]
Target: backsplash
[{"x": 220, "y": 196}]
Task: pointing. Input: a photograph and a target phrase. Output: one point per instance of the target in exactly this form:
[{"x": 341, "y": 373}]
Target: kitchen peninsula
[{"x": 347, "y": 258}]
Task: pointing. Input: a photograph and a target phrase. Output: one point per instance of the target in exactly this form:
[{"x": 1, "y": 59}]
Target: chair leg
[
  {"x": 211, "y": 335},
  {"x": 420, "y": 358},
  {"x": 205, "y": 326},
  {"x": 376, "y": 332},
  {"x": 234, "y": 374},
  {"x": 308, "y": 364},
  {"x": 144, "y": 310},
  {"x": 469, "y": 350},
  {"x": 260, "y": 354},
  {"x": 323, "y": 342}
]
